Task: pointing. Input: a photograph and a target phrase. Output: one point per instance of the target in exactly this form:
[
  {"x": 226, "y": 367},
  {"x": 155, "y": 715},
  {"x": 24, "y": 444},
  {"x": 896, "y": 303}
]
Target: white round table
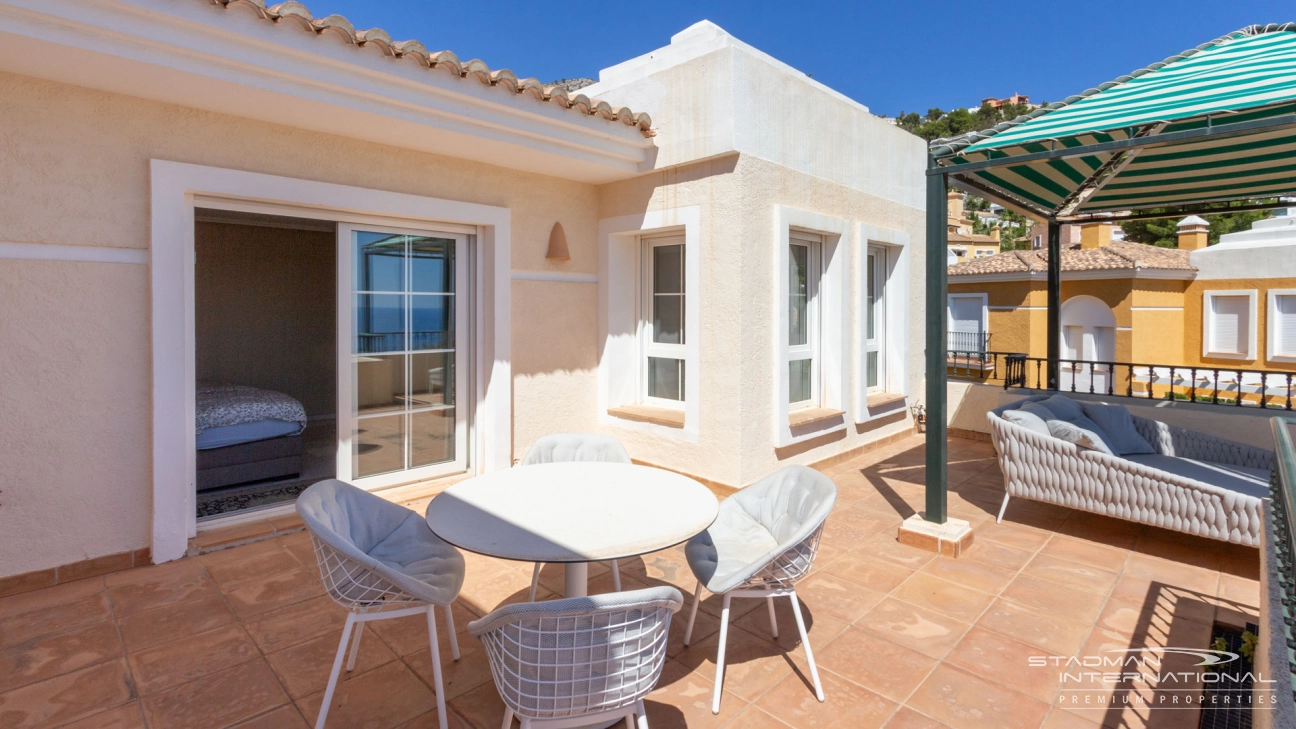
[{"x": 572, "y": 513}]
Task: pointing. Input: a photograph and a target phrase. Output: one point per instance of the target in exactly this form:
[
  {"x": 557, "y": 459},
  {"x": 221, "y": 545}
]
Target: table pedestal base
[{"x": 576, "y": 579}]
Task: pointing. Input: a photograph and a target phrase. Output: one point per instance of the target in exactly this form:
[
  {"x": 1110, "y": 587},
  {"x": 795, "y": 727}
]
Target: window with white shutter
[
  {"x": 1282, "y": 324},
  {"x": 1229, "y": 330},
  {"x": 967, "y": 314}
]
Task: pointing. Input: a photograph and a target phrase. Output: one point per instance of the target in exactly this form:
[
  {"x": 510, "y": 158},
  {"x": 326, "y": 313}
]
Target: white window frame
[
  {"x": 619, "y": 305},
  {"x": 1207, "y": 313},
  {"x": 647, "y": 347},
  {"x": 878, "y": 342},
  {"x": 814, "y": 243},
  {"x": 834, "y": 322},
  {"x": 896, "y": 328},
  {"x": 347, "y": 419},
  {"x": 1271, "y": 329},
  {"x": 949, "y": 310}
]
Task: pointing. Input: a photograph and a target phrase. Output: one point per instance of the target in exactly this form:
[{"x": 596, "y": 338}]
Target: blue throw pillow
[
  {"x": 1118, "y": 426},
  {"x": 1063, "y": 408}
]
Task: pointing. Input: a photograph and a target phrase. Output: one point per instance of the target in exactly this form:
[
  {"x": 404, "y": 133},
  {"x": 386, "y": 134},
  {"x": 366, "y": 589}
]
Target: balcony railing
[
  {"x": 1283, "y": 504},
  {"x": 1215, "y": 385},
  {"x": 968, "y": 341}
]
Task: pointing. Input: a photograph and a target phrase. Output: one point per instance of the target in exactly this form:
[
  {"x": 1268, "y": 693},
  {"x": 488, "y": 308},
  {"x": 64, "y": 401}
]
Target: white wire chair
[
  {"x": 380, "y": 561},
  {"x": 792, "y": 505},
  {"x": 570, "y": 447},
  {"x": 579, "y": 661}
]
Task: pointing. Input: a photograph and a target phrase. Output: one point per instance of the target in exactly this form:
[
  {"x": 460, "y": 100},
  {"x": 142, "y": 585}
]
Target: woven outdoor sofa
[{"x": 1187, "y": 481}]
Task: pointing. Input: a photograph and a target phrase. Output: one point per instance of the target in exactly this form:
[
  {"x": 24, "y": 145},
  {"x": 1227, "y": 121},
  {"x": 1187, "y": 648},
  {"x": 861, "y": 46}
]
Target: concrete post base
[{"x": 951, "y": 539}]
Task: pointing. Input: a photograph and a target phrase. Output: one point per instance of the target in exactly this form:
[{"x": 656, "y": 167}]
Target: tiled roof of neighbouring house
[
  {"x": 1114, "y": 256},
  {"x": 975, "y": 238},
  {"x": 296, "y": 13}
]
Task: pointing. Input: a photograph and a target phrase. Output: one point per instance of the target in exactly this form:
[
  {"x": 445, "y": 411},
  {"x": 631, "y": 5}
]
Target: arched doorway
[{"x": 1088, "y": 344}]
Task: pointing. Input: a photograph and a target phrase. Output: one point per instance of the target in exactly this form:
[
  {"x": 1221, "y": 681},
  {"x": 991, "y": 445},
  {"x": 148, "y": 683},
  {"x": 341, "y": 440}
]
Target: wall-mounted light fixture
[{"x": 557, "y": 244}]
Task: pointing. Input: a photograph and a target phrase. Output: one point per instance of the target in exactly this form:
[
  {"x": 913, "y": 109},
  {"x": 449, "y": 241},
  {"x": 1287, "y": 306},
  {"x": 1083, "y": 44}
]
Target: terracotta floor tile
[
  {"x": 1034, "y": 627},
  {"x": 221, "y": 699},
  {"x": 1061, "y": 719},
  {"x": 484, "y": 595},
  {"x": 168, "y": 665},
  {"x": 1006, "y": 662},
  {"x": 714, "y": 604},
  {"x": 384, "y": 697},
  {"x": 49, "y": 597},
  {"x": 1071, "y": 574},
  {"x": 229, "y": 567},
  {"x": 285, "y": 717},
  {"x": 267, "y": 593},
  {"x": 997, "y": 555},
  {"x": 1011, "y": 534},
  {"x": 152, "y": 587},
  {"x": 963, "y": 700},
  {"x": 682, "y": 699},
  {"x": 1179, "y": 548},
  {"x": 1177, "y": 574},
  {"x": 844, "y": 705},
  {"x": 1085, "y": 552},
  {"x": 754, "y": 718},
  {"x": 60, "y": 617},
  {"x": 705, "y": 625},
  {"x": 229, "y": 535},
  {"x": 945, "y": 597},
  {"x": 461, "y": 676},
  {"x": 38, "y": 660},
  {"x": 927, "y": 632},
  {"x": 753, "y": 665},
  {"x": 982, "y": 577},
  {"x": 885, "y": 547},
  {"x": 66, "y": 698},
  {"x": 907, "y": 718},
  {"x": 1155, "y": 626},
  {"x": 410, "y": 634},
  {"x": 868, "y": 660},
  {"x": 126, "y": 716},
  {"x": 664, "y": 566},
  {"x": 1170, "y": 600},
  {"x": 149, "y": 628},
  {"x": 1103, "y": 530},
  {"x": 1077, "y": 605},
  {"x": 453, "y": 721},
  {"x": 868, "y": 570},
  {"x": 278, "y": 629},
  {"x": 481, "y": 708},
  {"x": 820, "y": 627},
  {"x": 304, "y": 668},
  {"x": 836, "y": 597}
]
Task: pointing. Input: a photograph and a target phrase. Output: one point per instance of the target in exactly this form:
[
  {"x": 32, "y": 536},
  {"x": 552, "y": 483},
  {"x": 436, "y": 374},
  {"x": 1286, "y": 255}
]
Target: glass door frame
[{"x": 464, "y": 300}]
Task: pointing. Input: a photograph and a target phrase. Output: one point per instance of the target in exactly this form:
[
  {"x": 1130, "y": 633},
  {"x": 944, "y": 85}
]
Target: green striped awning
[{"x": 1245, "y": 76}]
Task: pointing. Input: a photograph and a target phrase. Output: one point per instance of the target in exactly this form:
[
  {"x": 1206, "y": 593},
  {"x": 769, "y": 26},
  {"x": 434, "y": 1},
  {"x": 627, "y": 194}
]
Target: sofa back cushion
[
  {"x": 1027, "y": 419},
  {"x": 1079, "y": 433},
  {"x": 1118, "y": 426}
]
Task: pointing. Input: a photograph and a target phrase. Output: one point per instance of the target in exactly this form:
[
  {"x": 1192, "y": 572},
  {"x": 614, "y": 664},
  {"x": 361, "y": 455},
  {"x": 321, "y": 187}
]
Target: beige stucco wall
[
  {"x": 738, "y": 195},
  {"x": 74, "y": 168},
  {"x": 265, "y": 310}
]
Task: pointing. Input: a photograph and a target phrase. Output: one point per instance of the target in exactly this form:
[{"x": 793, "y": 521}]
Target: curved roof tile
[
  {"x": 1115, "y": 256},
  {"x": 296, "y": 12}
]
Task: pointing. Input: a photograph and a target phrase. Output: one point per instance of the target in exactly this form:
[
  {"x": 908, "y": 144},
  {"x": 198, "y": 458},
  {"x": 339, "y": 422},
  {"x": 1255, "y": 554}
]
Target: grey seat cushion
[
  {"x": 1243, "y": 480},
  {"x": 759, "y": 523},
  {"x": 389, "y": 539},
  {"x": 1118, "y": 426},
  {"x": 568, "y": 447}
]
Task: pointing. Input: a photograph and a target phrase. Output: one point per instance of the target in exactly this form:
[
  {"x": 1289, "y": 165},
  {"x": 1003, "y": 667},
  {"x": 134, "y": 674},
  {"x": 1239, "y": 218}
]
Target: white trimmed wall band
[
  {"x": 88, "y": 254},
  {"x": 555, "y": 276}
]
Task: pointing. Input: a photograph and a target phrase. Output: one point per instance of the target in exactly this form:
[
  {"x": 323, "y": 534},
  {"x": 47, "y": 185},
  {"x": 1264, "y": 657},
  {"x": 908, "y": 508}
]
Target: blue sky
[{"x": 891, "y": 56}]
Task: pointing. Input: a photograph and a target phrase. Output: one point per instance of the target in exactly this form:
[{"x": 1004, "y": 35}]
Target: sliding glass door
[{"x": 402, "y": 354}]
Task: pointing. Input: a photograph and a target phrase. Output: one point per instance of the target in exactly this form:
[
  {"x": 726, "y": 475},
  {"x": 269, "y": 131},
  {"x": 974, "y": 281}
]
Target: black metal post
[
  {"x": 937, "y": 475},
  {"x": 1054, "y": 302}
]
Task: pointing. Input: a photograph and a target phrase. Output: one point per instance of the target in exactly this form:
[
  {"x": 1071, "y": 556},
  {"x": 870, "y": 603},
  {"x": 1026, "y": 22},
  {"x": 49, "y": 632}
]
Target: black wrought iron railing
[
  {"x": 968, "y": 341},
  {"x": 1283, "y": 504},
  {"x": 1216, "y": 385}
]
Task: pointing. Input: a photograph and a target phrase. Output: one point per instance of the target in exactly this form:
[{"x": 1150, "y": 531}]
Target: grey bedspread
[{"x": 220, "y": 404}]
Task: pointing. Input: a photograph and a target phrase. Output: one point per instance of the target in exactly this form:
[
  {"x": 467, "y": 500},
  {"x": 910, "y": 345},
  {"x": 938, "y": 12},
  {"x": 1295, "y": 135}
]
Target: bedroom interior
[{"x": 265, "y": 319}]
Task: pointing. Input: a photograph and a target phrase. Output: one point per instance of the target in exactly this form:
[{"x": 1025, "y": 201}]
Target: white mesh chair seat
[
  {"x": 375, "y": 554},
  {"x": 592, "y": 657},
  {"x": 379, "y": 560},
  {"x": 763, "y": 541},
  {"x": 569, "y": 448}
]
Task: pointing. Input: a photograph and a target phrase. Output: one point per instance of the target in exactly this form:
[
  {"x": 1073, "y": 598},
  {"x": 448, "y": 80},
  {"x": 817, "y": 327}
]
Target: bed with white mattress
[{"x": 246, "y": 434}]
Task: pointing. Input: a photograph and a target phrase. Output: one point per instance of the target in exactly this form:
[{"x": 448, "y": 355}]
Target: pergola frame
[{"x": 940, "y": 177}]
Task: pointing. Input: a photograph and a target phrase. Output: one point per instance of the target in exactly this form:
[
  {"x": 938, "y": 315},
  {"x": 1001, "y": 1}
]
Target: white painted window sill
[{"x": 812, "y": 416}]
